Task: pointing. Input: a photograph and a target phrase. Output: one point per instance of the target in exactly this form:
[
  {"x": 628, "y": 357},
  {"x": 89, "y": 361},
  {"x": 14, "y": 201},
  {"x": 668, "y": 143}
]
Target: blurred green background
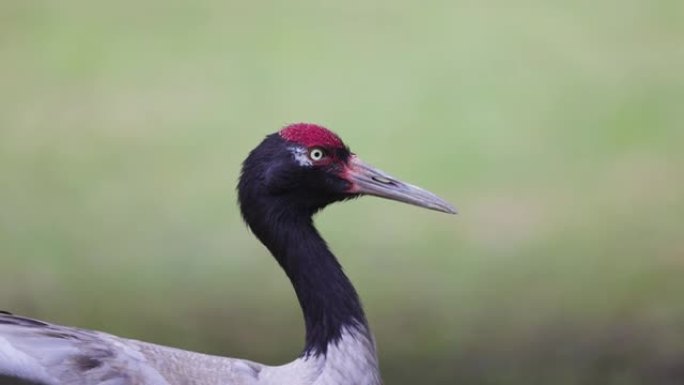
[{"x": 555, "y": 127}]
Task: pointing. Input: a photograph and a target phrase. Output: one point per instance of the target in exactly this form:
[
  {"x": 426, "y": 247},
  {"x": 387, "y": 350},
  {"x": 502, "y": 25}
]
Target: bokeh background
[{"x": 555, "y": 127}]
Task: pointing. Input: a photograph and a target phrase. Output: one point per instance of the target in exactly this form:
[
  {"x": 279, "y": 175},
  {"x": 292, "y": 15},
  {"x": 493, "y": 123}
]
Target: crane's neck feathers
[
  {"x": 284, "y": 224},
  {"x": 328, "y": 300}
]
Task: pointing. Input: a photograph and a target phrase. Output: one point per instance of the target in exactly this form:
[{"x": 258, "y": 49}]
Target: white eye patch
[{"x": 301, "y": 156}]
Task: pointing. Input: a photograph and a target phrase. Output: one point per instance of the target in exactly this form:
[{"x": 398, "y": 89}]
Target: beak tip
[{"x": 450, "y": 210}]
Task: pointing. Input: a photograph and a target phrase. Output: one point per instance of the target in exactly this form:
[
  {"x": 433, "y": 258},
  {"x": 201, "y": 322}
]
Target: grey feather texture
[
  {"x": 50, "y": 354},
  {"x": 40, "y": 353}
]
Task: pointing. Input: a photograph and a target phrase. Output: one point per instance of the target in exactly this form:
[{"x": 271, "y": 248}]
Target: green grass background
[{"x": 555, "y": 127}]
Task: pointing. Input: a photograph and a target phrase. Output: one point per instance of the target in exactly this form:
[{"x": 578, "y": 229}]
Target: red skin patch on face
[
  {"x": 347, "y": 172},
  {"x": 311, "y": 135}
]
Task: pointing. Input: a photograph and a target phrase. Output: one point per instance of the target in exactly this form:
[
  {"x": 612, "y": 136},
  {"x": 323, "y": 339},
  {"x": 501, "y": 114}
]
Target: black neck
[{"x": 327, "y": 297}]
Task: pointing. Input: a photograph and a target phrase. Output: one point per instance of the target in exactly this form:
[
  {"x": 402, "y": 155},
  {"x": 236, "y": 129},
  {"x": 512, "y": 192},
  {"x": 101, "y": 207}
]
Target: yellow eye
[{"x": 317, "y": 154}]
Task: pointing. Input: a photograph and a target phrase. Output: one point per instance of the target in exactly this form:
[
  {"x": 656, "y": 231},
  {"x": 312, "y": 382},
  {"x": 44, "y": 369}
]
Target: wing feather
[{"x": 49, "y": 354}]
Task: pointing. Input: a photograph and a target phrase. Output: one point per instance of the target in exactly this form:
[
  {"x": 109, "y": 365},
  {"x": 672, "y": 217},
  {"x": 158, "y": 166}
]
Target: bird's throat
[{"x": 329, "y": 302}]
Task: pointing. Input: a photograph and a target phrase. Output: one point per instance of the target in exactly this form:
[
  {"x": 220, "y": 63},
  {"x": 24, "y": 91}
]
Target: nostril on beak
[{"x": 383, "y": 180}]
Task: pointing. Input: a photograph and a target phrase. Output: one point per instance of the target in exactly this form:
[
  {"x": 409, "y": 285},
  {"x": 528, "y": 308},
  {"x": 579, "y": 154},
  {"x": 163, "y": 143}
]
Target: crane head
[{"x": 307, "y": 166}]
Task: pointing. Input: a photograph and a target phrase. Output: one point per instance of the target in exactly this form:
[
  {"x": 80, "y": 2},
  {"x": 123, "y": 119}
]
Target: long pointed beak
[{"x": 369, "y": 180}]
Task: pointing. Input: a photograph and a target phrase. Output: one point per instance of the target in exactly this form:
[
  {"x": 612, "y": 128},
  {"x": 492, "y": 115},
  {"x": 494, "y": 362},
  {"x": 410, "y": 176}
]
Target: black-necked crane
[{"x": 285, "y": 180}]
